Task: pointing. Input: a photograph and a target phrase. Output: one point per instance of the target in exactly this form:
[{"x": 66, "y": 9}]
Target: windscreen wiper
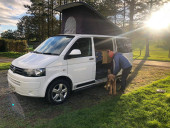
[
  {"x": 37, "y": 52},
  {"x": 50, "y": 54}
]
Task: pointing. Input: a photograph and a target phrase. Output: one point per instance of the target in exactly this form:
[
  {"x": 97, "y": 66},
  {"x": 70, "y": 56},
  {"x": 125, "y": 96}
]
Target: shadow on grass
[{"x": 135, "y": 71}]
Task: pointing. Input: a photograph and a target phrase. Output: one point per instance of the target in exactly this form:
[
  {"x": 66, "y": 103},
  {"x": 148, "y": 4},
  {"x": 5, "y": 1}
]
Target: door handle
[{"x": 91, "y": 58}]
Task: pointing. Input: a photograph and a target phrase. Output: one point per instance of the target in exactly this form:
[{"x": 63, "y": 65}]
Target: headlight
[{"x": 35, "y": 72}]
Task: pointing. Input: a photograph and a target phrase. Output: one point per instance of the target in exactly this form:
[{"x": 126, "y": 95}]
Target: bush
[
  {"x": 3, "y": 46},
  {"x": 154, "y": 124},
  {"x": 11, "y": 54},
  {"x": 13, "y": 45}
]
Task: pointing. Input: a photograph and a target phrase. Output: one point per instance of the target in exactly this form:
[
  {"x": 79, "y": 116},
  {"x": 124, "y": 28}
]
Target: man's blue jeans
[{"x": 125, "y": 74}]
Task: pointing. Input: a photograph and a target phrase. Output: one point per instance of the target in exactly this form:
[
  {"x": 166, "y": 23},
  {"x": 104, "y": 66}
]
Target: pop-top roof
[{"x": 73, "y": 5}]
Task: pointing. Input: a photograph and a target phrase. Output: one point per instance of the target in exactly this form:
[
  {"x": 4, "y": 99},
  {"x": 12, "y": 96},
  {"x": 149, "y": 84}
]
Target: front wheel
[{"x": 58, "y": 91}]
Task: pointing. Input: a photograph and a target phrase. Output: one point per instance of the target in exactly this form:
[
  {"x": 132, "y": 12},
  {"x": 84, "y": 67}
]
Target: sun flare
[{"x": 160, "y": 19}]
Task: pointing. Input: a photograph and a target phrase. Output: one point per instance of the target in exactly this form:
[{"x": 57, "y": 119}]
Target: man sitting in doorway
[{"x": 120, "y": 62}]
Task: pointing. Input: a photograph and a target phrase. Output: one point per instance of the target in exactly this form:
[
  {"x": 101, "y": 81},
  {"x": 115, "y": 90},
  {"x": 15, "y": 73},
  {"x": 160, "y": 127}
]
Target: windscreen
[{"x": 53, "y": 45}]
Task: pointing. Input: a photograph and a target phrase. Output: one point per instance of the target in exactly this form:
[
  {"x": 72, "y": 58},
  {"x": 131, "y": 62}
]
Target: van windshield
[{"x": 53, "y": 45}]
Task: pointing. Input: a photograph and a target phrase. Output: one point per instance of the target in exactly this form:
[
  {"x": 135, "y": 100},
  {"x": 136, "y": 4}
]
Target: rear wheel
[{"x": 58, "y": 91}]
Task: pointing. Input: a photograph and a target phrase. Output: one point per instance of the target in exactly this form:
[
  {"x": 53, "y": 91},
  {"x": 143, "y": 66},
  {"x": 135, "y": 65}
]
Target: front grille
[{"x": 17, "y": 70}]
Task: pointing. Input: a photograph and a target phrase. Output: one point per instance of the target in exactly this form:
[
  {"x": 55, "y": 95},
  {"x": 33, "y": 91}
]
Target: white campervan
[{"x": 64, "y": 63}]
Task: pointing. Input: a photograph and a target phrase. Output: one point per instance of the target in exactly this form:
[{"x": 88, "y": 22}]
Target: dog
[{"x": 111, "y": 83}]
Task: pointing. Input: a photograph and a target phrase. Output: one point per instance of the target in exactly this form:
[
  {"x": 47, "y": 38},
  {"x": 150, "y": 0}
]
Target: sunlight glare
[{"x": 160, "y": 19}]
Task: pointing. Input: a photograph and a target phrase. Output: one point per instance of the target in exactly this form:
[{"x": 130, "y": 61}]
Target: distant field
[{"x": 157, "y": 52}]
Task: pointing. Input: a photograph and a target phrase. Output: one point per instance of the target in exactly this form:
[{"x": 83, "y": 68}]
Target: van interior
[{"x": 102, "y": 44}]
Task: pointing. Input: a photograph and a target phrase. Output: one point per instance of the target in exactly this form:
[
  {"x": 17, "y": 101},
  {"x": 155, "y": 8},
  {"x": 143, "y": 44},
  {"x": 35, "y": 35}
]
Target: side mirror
[{"x": 75, "y": 52}]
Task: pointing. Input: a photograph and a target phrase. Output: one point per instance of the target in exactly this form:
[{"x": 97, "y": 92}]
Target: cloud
[
  {"x": 4, "y": 28},
  {"x": 12, "y": 10}
]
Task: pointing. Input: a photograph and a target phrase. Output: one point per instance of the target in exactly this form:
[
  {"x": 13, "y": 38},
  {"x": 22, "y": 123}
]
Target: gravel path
[
  {"x": 152, "y": 63},
  {"x": 5, "y": 59}
]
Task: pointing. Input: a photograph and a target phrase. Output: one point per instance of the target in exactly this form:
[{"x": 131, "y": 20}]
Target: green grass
[
  {"x": 4, "y": 66},
  {"x": 11, "y": 54},
  {"x": 30, "y": 48},
  {"x": 158, "y": 55},
  {"x": 158, "y": 51},
  {"x": 144, "y": 108}
]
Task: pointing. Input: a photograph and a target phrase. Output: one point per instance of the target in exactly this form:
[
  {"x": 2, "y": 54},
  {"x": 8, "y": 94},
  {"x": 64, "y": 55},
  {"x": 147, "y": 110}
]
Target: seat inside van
[{"x": 102, "y": 44}]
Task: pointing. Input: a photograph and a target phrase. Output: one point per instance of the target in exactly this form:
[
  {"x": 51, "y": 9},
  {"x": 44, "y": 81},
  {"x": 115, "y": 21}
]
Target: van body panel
[
  {"x": 27, "y": 86},
  {"x": 57, "y": 62},
  {"x": 53, "y": 73},
  {"x": 80, "y": 70},
  {"x": 33, "y": 61}
]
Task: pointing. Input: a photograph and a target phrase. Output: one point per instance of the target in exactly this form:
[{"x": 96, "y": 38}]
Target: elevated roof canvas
[{"x": 87, "y": 20}]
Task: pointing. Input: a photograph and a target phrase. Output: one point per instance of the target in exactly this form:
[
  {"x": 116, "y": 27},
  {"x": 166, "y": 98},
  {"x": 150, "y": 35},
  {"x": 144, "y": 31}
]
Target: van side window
[
  {"x": 123, "y": 45},
  {"x": 84, "y": 45},
  {"x": 104, "y": 43}
]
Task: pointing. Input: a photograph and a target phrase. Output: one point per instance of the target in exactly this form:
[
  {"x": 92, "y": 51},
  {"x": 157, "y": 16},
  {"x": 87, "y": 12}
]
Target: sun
[{"x": 160, "y": 19}]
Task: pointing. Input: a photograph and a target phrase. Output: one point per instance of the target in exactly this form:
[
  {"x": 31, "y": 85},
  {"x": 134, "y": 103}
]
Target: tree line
[{"x": 42, "y": 21}]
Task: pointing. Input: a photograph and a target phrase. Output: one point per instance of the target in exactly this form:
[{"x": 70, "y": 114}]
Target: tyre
[{"x": 58, "y": 91}]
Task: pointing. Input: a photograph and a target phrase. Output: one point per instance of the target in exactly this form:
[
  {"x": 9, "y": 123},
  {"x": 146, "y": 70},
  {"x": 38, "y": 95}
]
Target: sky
[{"x": 10, "y": 13}]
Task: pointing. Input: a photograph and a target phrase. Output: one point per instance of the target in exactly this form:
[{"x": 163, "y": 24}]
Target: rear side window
[{"x": 124, "y": 45}]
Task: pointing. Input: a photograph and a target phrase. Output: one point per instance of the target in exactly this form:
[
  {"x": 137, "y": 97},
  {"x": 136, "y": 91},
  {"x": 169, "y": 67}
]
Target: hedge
[
  {"x": 13, "y": 45},
  {"x": 3, "y": 46}
]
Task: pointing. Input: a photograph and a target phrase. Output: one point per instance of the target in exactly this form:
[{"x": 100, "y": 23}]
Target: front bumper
[{"x": 26, "y": 86}]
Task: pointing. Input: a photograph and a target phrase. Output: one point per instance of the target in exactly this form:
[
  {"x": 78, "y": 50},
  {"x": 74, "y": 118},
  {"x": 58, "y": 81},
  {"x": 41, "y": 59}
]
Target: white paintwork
[
  {"x": 75, "y": 52},
  {"x": 33, "y": 61},
  {"x": 78, "y": 70},
  {"x": 26, "y": 86},
  {"x": 82, "y": 69}
]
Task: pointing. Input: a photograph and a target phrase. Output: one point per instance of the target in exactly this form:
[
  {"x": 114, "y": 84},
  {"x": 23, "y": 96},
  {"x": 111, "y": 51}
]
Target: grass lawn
[
  {"x": 11, "y": 54},
  {"x": 4, "y": 66},
  {"x": 157, "y": 52},
  {"x": 143, "y": 108},
  {"x": 158, "y": 55},
  {"x": 94, "y": 107}
]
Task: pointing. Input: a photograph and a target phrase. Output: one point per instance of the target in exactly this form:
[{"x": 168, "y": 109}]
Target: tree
[
  {"x": 27, "y": 27},
  {"x": 156, "y": 4},
  {"x": 167, "y": 40},
  {"x": 41, "y": 21},
  {"x": 9, "y": 34}
]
